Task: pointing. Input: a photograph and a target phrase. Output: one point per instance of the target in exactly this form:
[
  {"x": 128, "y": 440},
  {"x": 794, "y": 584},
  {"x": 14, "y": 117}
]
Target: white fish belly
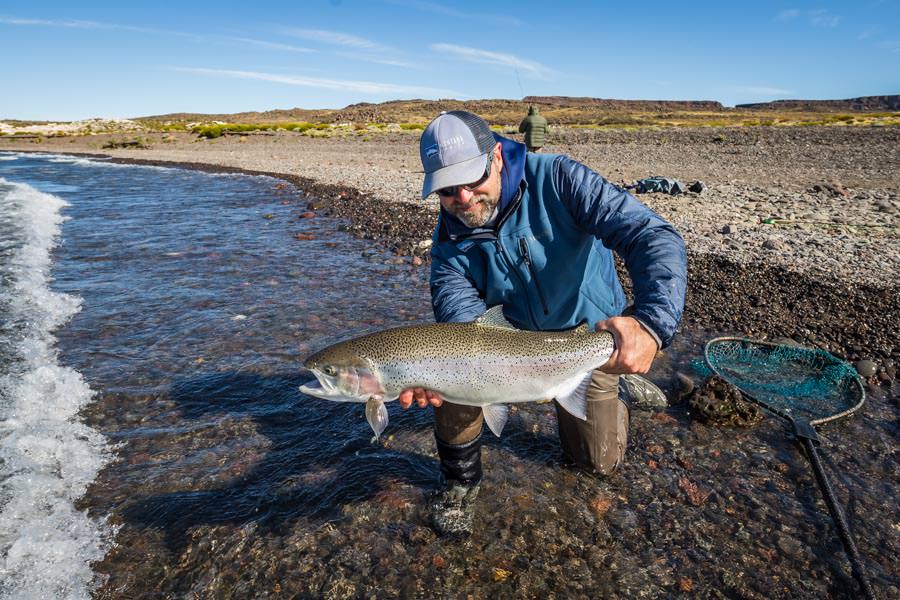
[{"x": 478, "y": 381}]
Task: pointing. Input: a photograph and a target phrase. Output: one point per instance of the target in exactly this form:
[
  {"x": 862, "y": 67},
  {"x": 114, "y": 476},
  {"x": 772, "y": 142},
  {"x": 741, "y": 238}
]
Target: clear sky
[{"x": 74, "y": 60}]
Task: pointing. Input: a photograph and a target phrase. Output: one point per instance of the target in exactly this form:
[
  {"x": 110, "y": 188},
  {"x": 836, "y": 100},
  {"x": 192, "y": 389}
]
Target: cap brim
[{"x": 461, "y": 173}]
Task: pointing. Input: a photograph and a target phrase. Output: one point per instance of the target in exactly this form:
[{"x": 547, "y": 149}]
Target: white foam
[
  {"x": 47, "y": 456},
  {"x": 47, "y": 155}
]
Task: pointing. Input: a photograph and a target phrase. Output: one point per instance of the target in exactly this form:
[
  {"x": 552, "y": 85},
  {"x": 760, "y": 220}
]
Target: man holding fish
[
  {"x": 528, "y": 307},
  {"x": 535, "y": 233}
]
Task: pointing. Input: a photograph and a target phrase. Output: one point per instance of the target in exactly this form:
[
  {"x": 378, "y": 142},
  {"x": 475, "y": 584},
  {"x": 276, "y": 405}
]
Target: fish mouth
[
  {"x": 322, "y": 386},
  {"x": 327, "y": 387}
]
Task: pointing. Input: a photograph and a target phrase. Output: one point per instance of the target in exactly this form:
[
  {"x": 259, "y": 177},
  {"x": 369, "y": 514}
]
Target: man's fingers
[{"x": 420, "y": 396}]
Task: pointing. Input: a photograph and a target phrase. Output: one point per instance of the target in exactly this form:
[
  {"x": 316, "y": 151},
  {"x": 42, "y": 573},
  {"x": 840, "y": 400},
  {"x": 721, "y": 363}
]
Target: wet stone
[
  {"x": 622, "y": 519},
  {"x": 685, "y": 384},
  {"x": 354, "y": 559},
  {"x": 866, "y": 368},
  {"x": 719, "y": 403}
]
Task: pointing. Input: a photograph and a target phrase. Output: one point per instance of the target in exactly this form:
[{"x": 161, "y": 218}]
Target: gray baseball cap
[{"x": 454, "y": 150}]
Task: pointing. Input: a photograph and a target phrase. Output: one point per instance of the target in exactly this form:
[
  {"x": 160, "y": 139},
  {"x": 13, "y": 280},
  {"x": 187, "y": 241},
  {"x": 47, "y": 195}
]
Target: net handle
[
  {"x": 837, "y": 514},
  {"x": 857, "y": 382}
]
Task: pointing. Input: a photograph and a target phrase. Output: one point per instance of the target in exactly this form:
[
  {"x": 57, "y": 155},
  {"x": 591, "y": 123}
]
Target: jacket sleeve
[
  {"x": 454, "y": 297},
  {"x": 652, "y": 249}
]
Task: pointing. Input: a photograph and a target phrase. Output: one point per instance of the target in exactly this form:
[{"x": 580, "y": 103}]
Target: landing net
[{"x": 797, "y": 383}]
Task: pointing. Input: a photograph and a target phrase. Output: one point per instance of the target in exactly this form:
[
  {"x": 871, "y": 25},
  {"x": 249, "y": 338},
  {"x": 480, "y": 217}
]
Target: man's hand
[
  {"x": 422, "y": 397},
  {"x": 635, "y": 347}
]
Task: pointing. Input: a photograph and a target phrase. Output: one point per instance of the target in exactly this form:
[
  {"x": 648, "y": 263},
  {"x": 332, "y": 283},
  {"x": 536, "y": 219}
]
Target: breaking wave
[{"x": 47, "y": 456}]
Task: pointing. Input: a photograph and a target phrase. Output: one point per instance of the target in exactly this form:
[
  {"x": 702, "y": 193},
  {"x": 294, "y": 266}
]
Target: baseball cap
[{"x": 454, "y": 149}]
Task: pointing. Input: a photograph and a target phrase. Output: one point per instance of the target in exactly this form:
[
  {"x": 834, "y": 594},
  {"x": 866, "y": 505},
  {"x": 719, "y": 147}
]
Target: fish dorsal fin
[
  {"x": 495, "y": 415},
  {"x": 583, "y": 328},
  {"x": 494, "y": 318}
]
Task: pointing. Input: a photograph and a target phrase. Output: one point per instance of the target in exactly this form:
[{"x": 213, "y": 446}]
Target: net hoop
[{"x": 747, "y": 342}]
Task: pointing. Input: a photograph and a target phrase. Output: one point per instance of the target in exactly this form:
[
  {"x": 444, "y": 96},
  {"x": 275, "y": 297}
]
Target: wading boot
[{"x": 453, "y": 506}]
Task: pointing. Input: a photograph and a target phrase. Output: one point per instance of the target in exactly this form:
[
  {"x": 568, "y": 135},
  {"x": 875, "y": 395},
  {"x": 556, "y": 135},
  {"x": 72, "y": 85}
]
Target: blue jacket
[{"x": 548, "y": 259}]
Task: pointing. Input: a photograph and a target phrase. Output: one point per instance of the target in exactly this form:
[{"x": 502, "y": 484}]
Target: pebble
[
  {"x": 621, "y": 518},
  {"x": 685, "y": 384},
  {"x": 866, "y": 368}
]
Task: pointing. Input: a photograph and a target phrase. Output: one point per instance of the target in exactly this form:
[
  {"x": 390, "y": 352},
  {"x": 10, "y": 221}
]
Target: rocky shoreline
[{"x": 822, "y": 272}]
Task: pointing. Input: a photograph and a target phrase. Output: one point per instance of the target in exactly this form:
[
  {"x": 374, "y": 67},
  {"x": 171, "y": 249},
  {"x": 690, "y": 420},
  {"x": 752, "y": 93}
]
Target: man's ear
[{"x": 498, "y": 156}]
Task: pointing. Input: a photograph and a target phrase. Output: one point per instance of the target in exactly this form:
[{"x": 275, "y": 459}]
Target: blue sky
[{"x": 75, "y": 60}]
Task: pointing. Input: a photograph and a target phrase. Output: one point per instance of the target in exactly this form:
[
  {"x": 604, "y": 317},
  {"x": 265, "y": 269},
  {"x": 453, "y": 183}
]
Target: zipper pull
[{"x": 523, "y": 248}]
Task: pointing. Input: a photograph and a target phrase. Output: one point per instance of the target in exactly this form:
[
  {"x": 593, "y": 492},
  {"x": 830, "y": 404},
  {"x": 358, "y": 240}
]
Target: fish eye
[{"x": 329, "y": 370}]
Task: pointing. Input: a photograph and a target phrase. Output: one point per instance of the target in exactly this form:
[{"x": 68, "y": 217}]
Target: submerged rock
[{"x": 719, "y": 403}]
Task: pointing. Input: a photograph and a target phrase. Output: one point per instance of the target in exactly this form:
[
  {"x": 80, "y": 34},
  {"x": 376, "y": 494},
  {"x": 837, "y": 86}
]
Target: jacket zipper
[
  {"x": 523, "y": 247},
  {"x": 512, "y": 268}
]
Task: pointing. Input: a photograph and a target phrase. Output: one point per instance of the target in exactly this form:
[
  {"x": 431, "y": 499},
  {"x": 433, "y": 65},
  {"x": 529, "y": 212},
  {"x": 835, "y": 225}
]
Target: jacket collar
[{"x": 512, "y": 186}]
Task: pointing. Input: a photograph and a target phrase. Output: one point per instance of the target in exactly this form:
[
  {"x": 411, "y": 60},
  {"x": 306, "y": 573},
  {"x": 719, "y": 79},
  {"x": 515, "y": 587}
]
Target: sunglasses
[{"x": 454, "y": 189}]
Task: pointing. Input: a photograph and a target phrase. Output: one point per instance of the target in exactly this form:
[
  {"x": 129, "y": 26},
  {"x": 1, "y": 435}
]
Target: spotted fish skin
[{"x": 486, "y": 363}]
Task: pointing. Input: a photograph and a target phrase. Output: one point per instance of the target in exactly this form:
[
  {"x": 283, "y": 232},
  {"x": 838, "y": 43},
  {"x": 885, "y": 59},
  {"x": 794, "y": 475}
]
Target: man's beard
[{"x": 482, "y": 211}]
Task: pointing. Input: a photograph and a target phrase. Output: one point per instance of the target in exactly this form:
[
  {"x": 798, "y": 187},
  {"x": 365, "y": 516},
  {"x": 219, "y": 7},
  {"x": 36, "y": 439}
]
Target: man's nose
[{"x": 463, "y": 195}]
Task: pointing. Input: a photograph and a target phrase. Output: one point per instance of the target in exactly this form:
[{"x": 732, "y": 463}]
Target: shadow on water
[
  {"x": 316, "y": 462},
  {"x": 320, "y": 457}
]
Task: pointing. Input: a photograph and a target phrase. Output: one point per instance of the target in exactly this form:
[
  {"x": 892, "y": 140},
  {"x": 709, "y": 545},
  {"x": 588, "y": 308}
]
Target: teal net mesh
[{"x": 796, "y": 382}]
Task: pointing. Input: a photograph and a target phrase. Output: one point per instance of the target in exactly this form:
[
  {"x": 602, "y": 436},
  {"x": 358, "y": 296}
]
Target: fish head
[{"x": 342, "y": 375}]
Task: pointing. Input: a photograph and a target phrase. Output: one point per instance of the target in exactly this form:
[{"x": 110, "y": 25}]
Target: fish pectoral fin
[
  {"x": 495, "y": 415},
  {"x": 376, "y": 415},
  {"x": 574, "y": 399}
]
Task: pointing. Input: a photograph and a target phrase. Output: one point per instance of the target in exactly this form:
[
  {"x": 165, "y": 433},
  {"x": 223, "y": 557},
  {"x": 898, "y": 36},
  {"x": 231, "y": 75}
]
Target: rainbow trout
[{"x": 486, "y": 363}]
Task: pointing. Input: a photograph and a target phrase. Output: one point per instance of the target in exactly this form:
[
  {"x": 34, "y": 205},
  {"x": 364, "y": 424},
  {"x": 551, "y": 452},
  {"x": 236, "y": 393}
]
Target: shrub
[
  {"x": 208, "y": 131},
  {"x": 138, "y": 142},
  {"x": 298, "y": 127}
]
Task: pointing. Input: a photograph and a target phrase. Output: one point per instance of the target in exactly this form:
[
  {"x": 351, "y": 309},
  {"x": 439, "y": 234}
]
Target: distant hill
[
  {"x": 559, "y": 110},
  {"x": 862, "y": 104},
  {"x": 623, "y": 105}
]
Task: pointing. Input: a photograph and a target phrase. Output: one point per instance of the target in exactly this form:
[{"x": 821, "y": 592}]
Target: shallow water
[{"x": 197, "y": 306}]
